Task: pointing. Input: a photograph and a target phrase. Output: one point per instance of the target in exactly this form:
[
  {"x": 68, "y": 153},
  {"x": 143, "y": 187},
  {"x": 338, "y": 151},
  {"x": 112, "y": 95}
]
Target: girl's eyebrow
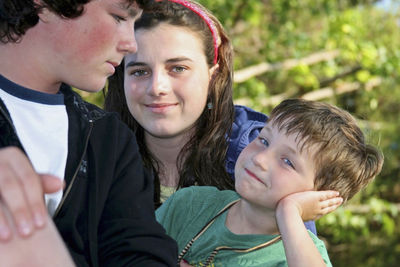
[
  {"x": 134, "y": 63},
  {"x": 171, "y": 60},
  {"x": 178, "y": 59}
]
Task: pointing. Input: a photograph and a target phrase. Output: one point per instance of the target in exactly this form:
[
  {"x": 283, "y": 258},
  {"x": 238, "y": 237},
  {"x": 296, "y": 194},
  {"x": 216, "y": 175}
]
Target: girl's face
[{"x": 166, "y": 80}]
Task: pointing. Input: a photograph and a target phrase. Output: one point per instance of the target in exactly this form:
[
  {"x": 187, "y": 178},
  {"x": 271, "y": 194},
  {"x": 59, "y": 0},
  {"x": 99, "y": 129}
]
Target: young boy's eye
[
  {"x": 264, "y": 141},
  {"x": 288, "y": 162}
]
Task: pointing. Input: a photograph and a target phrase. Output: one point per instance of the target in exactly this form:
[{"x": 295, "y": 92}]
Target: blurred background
[{"x": 342, "y": 52}]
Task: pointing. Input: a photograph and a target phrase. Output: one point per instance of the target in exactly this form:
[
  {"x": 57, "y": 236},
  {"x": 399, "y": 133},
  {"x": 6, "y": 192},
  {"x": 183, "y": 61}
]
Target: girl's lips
[
  {"x": 161, "y": 107},
  {"x": 253, "y": 176}
]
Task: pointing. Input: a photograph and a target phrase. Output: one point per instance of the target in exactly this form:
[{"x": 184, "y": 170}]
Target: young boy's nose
[{"x": 261, "y": 160}]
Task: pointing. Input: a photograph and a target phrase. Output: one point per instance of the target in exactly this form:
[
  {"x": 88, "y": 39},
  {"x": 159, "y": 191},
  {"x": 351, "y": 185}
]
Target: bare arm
[
  {"x": 299, "y": 247},
  {"x": 44, "y": 248},
  {"x": 21, "y": 191}
]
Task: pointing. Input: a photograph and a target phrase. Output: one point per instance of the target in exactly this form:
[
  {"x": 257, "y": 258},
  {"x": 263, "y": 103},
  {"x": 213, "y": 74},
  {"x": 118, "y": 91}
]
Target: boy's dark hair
[
  {"x": 17, "y": 16},
  {"x": 344, "y": 162}
]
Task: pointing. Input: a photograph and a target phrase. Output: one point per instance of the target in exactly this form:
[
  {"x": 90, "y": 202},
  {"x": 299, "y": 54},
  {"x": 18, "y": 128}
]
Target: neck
[
  {"x": 25, "y": 64},
  {"x": 167, "y": 150},
  {"x": 246, "y": 218}
]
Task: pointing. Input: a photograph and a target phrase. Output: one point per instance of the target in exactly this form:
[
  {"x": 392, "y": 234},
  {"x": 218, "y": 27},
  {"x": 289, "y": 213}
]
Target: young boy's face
[
  {"x": 272, "y": 167},
  {"x": 86, "y": 50}
]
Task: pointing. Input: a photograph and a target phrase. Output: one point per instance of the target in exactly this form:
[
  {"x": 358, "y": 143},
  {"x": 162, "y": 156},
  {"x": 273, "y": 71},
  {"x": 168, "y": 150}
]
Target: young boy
[
  {"x": 105, "y": 213},
  {"x": 305, "y": 146}
]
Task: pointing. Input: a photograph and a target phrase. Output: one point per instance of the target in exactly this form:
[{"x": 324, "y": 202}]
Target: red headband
[{"x": 196, "y": 9}]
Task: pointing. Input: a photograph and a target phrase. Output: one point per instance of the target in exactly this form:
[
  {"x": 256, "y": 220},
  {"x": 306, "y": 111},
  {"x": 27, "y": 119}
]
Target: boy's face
[
  {"x": 84, "y": 51},
  {"x": 272, "y": 167}
]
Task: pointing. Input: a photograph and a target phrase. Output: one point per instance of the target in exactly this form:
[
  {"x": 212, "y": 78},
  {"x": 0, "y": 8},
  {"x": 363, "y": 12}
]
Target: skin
[
  {"x": 166, "y": 88},
  {"x": 82, "y": 53},
  {"x": 36, "y": 248}
]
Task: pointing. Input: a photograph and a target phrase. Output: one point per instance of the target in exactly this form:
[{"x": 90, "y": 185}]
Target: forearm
[
  {"x": 43, "y": 248},
  {"x": 299, "y": 248}
]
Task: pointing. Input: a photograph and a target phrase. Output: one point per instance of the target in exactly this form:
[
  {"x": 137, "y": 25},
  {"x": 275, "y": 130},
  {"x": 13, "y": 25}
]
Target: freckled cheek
[{"x": 94, "y": 43}]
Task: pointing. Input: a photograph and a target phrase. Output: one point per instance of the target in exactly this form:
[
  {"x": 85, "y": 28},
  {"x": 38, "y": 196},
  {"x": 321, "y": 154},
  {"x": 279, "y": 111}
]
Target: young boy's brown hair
[{"x": 344, "y": 161}]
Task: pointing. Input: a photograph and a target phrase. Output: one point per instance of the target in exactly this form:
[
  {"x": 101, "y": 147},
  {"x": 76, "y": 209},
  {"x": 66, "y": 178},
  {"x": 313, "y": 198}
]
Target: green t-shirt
[{"x": 185, "y": 213}]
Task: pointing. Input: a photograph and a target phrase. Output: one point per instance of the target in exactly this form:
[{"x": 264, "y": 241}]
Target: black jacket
[{"x": 106, "y": 216}]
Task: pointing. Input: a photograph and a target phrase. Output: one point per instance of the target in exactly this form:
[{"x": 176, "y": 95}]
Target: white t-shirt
[{"x": 41, "y": 122}]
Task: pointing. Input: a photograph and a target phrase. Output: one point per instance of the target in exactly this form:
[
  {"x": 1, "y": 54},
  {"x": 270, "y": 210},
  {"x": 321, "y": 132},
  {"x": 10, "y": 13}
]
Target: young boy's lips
[{"x": 253, "y": 176}]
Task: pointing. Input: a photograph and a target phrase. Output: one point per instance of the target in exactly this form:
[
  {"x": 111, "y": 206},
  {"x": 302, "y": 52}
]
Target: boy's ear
[{"x": 45, "y": 15}]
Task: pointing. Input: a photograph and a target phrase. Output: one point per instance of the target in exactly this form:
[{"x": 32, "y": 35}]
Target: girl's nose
[{"x": 160, "y": 84}]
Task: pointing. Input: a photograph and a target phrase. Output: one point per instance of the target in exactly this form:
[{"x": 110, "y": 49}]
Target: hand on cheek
[{"x": 311, "y": 205}]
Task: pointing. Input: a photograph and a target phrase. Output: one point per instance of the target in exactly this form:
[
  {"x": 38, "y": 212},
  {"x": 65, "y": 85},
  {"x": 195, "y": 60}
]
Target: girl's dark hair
[
  {"x": 202, "y": 159},
  {"x": 17, "y": 16}
]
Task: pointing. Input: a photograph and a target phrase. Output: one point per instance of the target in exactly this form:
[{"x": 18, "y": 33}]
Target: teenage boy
[
  {"x": 50, "y": 136},
  {"x": 305, "y": 146}
]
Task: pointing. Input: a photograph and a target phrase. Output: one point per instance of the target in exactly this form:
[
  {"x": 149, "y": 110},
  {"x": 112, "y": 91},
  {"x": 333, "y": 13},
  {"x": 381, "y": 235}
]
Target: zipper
[{"x": 76, "y": 171}]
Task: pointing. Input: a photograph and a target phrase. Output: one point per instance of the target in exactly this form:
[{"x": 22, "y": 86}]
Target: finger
[
  {"x": 328, "y": 194},
  {"x": 15, "y": 202},
  {"x": 51, "y": 184},
  {"x": 21, "y": 190},
  {"x": 332, "y": 205},
  {"x": 5, "y": 232},
  {"x": 34, "y": 195},
  {"x": 331, "y": 202}
]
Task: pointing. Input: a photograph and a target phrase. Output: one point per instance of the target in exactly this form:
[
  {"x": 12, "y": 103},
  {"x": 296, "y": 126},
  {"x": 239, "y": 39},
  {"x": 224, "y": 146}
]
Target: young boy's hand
[{"x": 312, "y": 205}]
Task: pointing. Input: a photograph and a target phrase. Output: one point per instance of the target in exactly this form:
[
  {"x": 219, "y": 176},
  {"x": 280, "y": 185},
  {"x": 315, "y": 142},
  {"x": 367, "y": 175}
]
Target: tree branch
[
  {"x": 249, "y": 72},
  {"x": 321, "y": 93}
]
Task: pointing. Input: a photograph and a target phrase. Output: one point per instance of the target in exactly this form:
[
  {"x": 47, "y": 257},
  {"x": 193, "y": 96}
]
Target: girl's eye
[
  {"x": 264, "y": 141},
  {"x": 138, "y": 73},
  {"x": 288, "y": 162},
  {"x": 178, "y": 69}
]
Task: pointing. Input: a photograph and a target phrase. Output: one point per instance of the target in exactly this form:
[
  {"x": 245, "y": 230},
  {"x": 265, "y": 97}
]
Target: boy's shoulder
[{"x": 89, "y": 110}]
